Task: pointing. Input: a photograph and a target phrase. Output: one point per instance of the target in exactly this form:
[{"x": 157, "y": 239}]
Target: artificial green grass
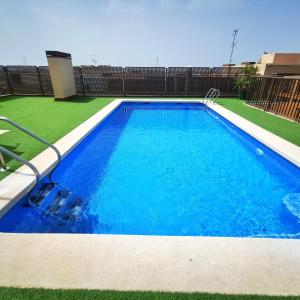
[
  {"x": 286, "y": 129},
  {"x": 35, "y": 294},
  {"x": 47, "y": 118}
]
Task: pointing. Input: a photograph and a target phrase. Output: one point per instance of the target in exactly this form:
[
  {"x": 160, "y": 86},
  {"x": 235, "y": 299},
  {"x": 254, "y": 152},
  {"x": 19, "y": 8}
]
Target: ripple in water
[{"x": 292, "y": 203}]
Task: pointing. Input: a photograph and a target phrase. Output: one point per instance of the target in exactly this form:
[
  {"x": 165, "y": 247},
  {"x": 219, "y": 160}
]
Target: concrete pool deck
[
  {"x": 158, "y": 263},
  {"x": 125, "y": 262}
]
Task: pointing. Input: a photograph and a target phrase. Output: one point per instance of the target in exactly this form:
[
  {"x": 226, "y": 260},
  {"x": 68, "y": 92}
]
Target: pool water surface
[{"x": 169, "y": 169}]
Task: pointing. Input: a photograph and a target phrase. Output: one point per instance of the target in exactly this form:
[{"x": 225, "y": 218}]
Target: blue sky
[{"x": 136, "y": 32}]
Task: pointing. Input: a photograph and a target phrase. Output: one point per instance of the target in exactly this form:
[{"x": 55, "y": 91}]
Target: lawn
[
  {"x": 53, "y": 119},
  {"x": 47, "y": 118},
  {"x": 34, "y": 294},
  {"x": 286, "y": 129}
]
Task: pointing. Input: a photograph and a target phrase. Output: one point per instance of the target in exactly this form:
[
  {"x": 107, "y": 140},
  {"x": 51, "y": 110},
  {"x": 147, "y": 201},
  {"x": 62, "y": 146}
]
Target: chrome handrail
[
  {"x": 37, "y": 138},
  {"x": 211, "y": 95},
  {"x": 28, "y": 164},
  {"x": 23, "y": 161},
  {"x": 217, "y": 94},
  {"x": 208, "y": 94}
]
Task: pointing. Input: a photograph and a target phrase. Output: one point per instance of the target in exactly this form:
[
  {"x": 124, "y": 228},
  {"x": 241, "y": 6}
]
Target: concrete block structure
[
  {"x": 279, "y": 64},
  {"x": 62, "y": 75}
]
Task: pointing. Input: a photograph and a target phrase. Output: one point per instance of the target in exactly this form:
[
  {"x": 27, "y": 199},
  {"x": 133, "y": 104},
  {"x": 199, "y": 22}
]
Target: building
[
  {"x": 279, "y": 64},
  {"x": 274, "y": 64}
]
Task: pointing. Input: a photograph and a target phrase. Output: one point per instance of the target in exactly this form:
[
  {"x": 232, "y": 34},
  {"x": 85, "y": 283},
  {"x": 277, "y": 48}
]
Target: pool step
[
  {"x": 58, "y": 203},
  {"x": 42, "y": 193},
  {"x": 65, "y": 207},
  {"x": 60, "y": 199},
  {"x": 74, "y": 210}
]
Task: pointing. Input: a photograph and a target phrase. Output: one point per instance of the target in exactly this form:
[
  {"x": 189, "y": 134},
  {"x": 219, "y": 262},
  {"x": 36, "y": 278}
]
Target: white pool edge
[
  {"x": 151, "y": 263},
  {"x": 125, "y": 262},
  {"x": 286, "y": 149}
]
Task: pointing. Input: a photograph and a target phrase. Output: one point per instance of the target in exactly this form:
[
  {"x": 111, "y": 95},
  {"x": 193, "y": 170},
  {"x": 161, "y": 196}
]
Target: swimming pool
[{"x": 167, "y": 169}]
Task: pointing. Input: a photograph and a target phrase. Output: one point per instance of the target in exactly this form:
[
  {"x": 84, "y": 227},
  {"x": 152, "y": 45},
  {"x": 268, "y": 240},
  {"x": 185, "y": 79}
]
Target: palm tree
[{"x": 243, "y": 82}]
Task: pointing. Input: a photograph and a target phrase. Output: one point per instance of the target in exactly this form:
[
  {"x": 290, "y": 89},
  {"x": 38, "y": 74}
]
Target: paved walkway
[{"x": 119, "y": 262}]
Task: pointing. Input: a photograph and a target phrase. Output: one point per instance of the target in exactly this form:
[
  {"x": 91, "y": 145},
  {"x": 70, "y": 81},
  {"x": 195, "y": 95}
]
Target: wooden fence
[
  {"x": 277, "y": 95},
  {"x": 280, "y": 96},
  {"x": 119, "y": 81}
]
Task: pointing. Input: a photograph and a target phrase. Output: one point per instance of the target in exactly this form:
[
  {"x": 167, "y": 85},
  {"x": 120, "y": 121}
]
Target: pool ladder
[
  {"x": 26, "y": 162},
  {"x": 50, "y": 198},
  {"x": 211, "y": 95},
  {"x": 58, "y": 203}
]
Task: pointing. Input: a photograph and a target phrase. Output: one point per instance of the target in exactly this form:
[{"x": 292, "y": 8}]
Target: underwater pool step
[
  {"x": 42, "y": 193},
  {"x": 56, "y": 202},
  {"x": 65, "y": 207},
  {"x": 60, "y": 200},
  {"x": 74, "y": 210}
]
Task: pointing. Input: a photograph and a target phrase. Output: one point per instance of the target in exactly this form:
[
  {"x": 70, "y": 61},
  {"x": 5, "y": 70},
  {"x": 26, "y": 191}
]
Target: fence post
[
  {"x": 40, "y": 81},
  {"x": 268, "y": 104},
  {"x": 82, "y": 81},
  {"x": 123, "y": 81},
  {"x": 292, "y": 109},
  {"x": 229, "y": 78},
  {"x": 166, "y": 81},
  {"x": 249, "y": 90},
  {"x": 8, "y": 80},
  {"x": 262, "y": 88},
  {"x": 294, "y": 91},
  {"x": 188, "y": 81}
]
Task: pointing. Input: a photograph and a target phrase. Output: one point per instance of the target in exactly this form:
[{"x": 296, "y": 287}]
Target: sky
[{"x": 137, "y": 32}]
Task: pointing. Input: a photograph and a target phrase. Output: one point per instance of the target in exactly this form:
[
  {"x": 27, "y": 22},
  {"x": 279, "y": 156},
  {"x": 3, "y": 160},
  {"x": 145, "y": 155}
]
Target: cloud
[
  {"x": 167, "y": 4},
  {"x": 192, "y": 5},
  {"x": 134, "y": 7},
  {"x": 215, "y": 4},
  {"x": 50, "y": 16}
]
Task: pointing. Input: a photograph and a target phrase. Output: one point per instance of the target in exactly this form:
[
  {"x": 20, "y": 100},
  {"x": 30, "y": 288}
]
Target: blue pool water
[{"x": 170, "y": 169}]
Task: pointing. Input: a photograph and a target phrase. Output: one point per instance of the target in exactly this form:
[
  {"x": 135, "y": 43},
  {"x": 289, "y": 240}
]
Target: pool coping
[
  {"x": 125, "y": 262},
  {"x": 151, "y": 263}
]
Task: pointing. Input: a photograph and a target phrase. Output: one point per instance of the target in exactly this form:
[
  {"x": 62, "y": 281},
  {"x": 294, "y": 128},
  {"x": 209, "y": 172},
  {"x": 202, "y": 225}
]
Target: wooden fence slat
[{"x": 277, "y": 95}]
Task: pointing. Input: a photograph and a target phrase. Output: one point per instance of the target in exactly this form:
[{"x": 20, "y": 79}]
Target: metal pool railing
[
  {"x": 211, "y": 95},
  {"x": 280, "y": 96},
  {"x": 33, "y": 135}
]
